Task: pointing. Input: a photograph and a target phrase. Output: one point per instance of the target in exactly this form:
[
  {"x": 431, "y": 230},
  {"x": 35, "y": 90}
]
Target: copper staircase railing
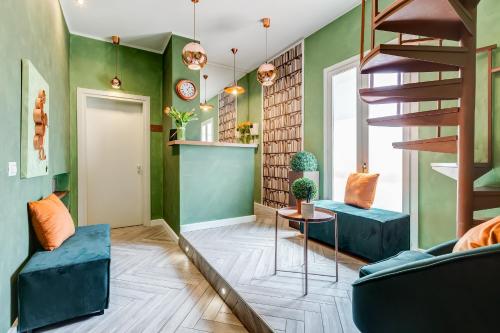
[{"x": 434, "y": 21}]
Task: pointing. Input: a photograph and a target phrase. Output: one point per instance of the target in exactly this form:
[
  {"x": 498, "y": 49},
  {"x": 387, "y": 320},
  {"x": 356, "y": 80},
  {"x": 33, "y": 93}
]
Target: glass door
[
  {"x": 382, "y": 157},
  {"x": 352, "y": 146},
  {"x": 345, "y": 128}
]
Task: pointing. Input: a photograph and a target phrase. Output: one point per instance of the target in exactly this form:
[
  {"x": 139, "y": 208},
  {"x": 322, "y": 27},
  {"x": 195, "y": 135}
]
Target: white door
[{"x": 114, "y": 154}]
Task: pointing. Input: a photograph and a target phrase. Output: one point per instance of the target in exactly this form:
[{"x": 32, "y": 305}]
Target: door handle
[{"x": 139, "y": 169}]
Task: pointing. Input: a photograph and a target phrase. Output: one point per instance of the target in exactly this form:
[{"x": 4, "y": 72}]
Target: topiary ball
[
  {"x": 304, "y": 161},
  {"x": 304, "y": 188}
]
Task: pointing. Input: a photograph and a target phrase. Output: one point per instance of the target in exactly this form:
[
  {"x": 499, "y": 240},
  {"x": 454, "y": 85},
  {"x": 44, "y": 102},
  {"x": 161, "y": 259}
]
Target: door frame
[
  {"x": 82, "y": 96},
  {"x": 410, "y": 158}
]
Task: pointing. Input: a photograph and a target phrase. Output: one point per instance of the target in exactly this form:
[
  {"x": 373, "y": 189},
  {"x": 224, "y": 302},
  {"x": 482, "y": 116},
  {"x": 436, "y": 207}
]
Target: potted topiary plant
[
  {"x": 181, "y": 120},
  {"x": 303, "y": 164},
  {"x": 304, "y": 189}
]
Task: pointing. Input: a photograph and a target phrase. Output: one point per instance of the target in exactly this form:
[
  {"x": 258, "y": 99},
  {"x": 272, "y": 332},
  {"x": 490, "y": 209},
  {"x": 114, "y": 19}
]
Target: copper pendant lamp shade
[
  {"x": 234, "y": 89},
  {"x": 205, "y": 106},
  {"x": 266, "y": 74},
  {"x": 194, "y": 55},
  {"x": 116, "y": 83}
]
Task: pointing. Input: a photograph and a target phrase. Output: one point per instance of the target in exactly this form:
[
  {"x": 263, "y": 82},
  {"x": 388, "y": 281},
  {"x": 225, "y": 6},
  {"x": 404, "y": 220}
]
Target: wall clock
[{"x": 186, "y": 90}]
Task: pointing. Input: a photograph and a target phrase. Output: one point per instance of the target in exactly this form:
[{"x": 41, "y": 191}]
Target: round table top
[{"x": 319, "y": 216}]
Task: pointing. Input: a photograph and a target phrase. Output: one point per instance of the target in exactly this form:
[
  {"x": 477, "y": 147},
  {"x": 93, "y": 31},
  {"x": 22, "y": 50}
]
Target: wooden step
[
  {"x": 486, "y": 197},
  {"x": 446, "y": 19},
  {"x": 390, "y": 58},
  {"x": 451, "y": 169},
  {"x": 413, "y": 92},
  {"x": 443, "y": 117},
  {"x": 444, "y": 144}
]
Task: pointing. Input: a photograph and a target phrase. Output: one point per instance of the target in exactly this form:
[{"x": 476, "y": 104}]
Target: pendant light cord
[
  {"x": 116, "y": 60},
  {"x": 194, "y": 21},
  {"x": 205, "y": 91},
  {"x": 234, "y": 67},
  {"x": 266, "y": 47}
]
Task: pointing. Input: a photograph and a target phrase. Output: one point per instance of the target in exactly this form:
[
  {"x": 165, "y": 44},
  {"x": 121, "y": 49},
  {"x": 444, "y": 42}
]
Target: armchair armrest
[
  {"x": 431, "y": 294},
  {"x": 443, "y": 248}
]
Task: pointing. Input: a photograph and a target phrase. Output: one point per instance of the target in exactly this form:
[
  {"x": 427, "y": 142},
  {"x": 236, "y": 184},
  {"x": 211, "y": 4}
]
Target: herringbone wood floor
[
  {"x": 155, "y": 288},
  {"x": 244, "y": 256}
]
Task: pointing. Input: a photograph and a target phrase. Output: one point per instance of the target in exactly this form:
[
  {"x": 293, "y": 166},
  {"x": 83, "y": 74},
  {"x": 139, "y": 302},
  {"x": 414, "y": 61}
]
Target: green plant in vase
[
  {"x": 304, "y": 161},
  {"x": 304, "y": 189},
  {"x": 181, "y": 119},
  {"x": 244, "y": 130}
]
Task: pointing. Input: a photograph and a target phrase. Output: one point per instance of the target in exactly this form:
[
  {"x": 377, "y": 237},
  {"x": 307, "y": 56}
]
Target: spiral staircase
[{"x": 435, "y": 21}]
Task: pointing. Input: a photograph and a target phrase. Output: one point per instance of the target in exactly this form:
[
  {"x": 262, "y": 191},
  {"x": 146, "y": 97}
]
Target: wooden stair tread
[
  {"x": 444, "y": 144},
  {"x": 446, "y": 19},
  {"x": 451, "y": 169},
  {"x": 486, "y": 197},
  {"x": 391, "y": 58},
  {"x": 413, "y": 92},
  {"x": 443, "y": 117}
]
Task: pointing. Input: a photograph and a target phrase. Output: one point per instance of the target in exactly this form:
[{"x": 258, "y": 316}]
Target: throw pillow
[
  {"x": 487, "y": 233},
  {"x": 51, "y": 221},
  {"x": 360, "y": 189}
]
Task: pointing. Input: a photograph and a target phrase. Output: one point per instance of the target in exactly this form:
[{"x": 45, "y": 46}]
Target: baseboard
[
  {"x": 218, "y": 223},
  {"x": 167, "y": 228}
]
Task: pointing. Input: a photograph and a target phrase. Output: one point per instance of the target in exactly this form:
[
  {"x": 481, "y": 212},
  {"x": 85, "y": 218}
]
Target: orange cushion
[
  {"x": 51, "y": 221},
  {"x": 360, "y": 189},
  {"x": 487, "y": 233}
]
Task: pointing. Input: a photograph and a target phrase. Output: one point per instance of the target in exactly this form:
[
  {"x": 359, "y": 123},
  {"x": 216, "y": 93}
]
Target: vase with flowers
[
  {"x": 244, "y": 131},
  {"x": 181, "y": 119}
]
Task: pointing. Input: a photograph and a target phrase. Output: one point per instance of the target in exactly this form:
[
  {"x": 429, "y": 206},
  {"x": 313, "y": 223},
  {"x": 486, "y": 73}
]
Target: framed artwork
[{"x": 34, "y": 123}]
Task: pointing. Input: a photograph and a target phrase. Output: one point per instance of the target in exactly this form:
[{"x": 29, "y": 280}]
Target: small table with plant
[
  {"x": 306, "y": 189},
  {"x": 290, "y": 213}
]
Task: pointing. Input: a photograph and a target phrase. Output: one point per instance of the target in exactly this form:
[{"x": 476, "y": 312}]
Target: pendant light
[
  {"x": 205, "y": 106},
  {"x": 193, "y": 54},
  {"x": 266, "y": 74},
  {"x": 234, "y": 89},
  {"x": 115, "y": 82}
]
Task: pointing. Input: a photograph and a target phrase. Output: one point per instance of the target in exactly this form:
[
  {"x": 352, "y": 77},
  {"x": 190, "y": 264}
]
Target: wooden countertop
[{"x": 212, "y": 144}]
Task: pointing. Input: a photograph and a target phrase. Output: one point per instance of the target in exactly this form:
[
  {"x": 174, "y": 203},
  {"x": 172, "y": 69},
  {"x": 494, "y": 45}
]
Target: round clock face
[{"x": 186, "y": 89}]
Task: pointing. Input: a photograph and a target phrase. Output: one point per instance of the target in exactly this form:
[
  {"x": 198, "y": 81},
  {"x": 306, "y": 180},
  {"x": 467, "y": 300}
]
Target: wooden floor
[
  {"x": 155, "y": 288},
  {"x": 243, "y": 255}
]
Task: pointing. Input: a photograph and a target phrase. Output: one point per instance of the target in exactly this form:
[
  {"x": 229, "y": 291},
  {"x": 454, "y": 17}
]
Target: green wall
[
  {"x": 215, "y": 182},
  {"x": 35, "y": 30},
  {"x": 437, "y": 193},
  {"x": 92, "y": 65},
  {"x": 173, "y": 71}
]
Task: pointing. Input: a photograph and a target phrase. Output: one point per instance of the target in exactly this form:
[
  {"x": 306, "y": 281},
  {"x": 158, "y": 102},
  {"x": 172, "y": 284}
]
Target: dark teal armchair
[{"x": 442, "y": 292}]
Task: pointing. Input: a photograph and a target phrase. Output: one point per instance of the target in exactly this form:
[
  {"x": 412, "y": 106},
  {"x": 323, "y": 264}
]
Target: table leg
[
  {"x": 306, "y": 236},
  {"x": 336, "y": 227},
  {"x": 276, "y": 244}
]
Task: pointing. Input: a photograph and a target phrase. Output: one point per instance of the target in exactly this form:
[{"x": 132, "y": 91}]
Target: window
[
  {"x": 207, "y": 130},
  {"x": 352, "y": 146}
]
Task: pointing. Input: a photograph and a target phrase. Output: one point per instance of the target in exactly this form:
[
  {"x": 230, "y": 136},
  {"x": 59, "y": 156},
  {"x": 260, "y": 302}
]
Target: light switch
[{"x": 12, "y": 169}]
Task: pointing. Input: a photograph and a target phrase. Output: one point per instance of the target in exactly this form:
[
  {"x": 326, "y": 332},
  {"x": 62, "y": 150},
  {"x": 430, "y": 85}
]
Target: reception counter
[{"x": 208, "y": 184}]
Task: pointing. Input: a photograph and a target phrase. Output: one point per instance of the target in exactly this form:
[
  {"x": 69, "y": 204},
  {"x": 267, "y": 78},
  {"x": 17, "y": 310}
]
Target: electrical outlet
[{"x": 12, "y": 169}]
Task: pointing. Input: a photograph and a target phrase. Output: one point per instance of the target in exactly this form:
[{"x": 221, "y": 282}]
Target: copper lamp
[
  {"x": 194, "y": 55},
  {"x": 266, "y": 74},
  {"x": 115, "y": 82},
  {"x": 234, "y": 89},
  {"x": 205, "y": 106}
]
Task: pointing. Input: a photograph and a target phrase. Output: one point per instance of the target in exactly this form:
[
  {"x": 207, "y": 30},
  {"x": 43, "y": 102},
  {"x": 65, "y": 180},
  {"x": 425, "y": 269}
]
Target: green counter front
[{"x": 207, "y": 182}]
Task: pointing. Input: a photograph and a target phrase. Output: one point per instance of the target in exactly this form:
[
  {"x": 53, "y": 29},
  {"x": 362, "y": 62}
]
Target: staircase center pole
[{"x": 465, "y": 186}]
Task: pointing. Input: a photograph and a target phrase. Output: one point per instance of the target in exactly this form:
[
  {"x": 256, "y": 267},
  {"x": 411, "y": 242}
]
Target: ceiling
[{"x": 221, "y": 25}]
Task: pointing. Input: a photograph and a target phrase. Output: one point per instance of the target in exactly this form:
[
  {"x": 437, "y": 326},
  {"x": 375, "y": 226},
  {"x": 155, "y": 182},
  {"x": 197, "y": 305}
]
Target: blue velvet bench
[
  {"x": 68, "y": 282},
  {"x": 373, "y": 234}
]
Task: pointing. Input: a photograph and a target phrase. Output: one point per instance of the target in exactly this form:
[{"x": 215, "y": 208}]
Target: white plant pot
[{"x": 307, "y": 210}]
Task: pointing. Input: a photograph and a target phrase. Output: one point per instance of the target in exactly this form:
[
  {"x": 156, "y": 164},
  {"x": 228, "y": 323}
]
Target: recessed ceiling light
[{"x": 80, "y": 2}]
